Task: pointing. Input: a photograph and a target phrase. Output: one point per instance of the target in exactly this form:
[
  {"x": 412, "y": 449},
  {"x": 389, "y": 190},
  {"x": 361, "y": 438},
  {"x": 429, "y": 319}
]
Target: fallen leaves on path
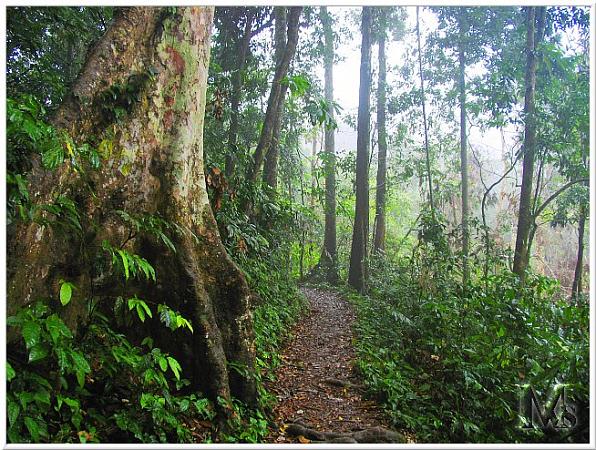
[{"x": 316, "y": 386}]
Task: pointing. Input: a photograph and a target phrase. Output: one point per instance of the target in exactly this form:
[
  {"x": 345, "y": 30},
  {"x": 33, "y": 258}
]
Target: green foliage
[
  {"x": 448, "y": 364},
  {"x": 119, "y": 99},
  {"x": 172, "y": 319},
  {"x": 28, "y": 133},
  {"x": 128, "y": 264},
  {"x": 72, "y": 389},
  {"x": 150, "y": 224},
  {"x": 46, "y": 48},
  {"x": 245, "y": 425},
  {"x": 299, "y": 84}
]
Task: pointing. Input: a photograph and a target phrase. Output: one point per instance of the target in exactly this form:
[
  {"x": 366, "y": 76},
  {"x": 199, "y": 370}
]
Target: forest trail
[{"x": 320, "y": 397}]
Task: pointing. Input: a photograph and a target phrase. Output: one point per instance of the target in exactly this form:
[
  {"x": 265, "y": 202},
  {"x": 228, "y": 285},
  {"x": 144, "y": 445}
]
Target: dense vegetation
[{"x": 464, "y": 298}]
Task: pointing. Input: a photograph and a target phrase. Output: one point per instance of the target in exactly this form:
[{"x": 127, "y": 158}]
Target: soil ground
[{"x": 316, "y": 385}]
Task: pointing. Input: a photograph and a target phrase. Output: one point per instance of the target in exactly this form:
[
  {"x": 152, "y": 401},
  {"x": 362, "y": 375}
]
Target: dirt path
[{"x": 316, "y": 388}]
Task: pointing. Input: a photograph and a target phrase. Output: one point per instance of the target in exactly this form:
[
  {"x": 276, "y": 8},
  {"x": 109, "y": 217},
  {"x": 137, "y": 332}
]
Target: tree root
[
  {"x": 370, "y": 435},
  {"x": 342, "y": 384}
]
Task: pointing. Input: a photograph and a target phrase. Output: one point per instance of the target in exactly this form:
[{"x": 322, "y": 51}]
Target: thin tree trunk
[
  {"x": 303, "y": 225},
  {"x": 275, "y": 96},
  {"x": 426, "y": 146},
  {"x": 357, "y": 276},
  {"x": 272, "y": 156},
  {"x": 381, "y": 194},
  {"x": 521, "y": 258},
  {"x": 328, "y": 260},
  {"x": 313, "y": 181},
  {"x": 542, "y": 207},
  {"x": 463, "y": 153},
  {"x": 576, "y": 288},
  {"x": 155, "y": 167},
  {"x": 243, "y": 46}
]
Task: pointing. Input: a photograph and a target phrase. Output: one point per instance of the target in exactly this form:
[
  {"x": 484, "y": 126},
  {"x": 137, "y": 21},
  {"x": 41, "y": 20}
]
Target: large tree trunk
[
  {"x": 329, "y": 252},
  {"x": 463, "y": 151},
  {"x": 358, "y": 256},
  {"x": 381, "y": 194},
  {"x": 275, "y": 96},
  {"x": 271, "y": 158},
  {"x": 522, "y": 257},
  {"x": 235, "y": 97},
  {"x": 155, "y": 166},
  {"x": 576, "y": 289}
]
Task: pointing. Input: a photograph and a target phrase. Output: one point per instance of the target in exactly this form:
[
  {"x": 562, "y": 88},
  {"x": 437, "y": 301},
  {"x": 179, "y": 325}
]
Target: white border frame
[{"x": 592, "y": 251}]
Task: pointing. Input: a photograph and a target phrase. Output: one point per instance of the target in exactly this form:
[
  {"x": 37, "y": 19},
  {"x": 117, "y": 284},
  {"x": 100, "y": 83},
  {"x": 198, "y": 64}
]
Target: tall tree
[
  {"x": 424, "y": 121},
  {"x": 275, "y": 95},
  {"x": 463, "y": 29},
  {"x": 357, "y": 275},
  {"x": 381, "y": 192},
  {"x": 576, "y": 288},
  {"x": 155, "y": 167},
  {"x": 241, "y": 51},
  {"x": 329, "y": 252},
  {"x": 272, "y": 156},
  {"x": 535, "y": 17}
]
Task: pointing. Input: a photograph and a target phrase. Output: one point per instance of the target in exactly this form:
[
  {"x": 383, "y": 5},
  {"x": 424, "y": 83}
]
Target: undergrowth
[{"x": 451, "y": 363}]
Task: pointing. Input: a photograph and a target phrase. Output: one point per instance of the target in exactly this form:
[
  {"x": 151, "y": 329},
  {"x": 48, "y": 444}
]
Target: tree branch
[{"x": 556, "y": 194}]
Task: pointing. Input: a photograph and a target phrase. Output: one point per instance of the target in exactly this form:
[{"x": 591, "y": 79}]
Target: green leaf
[
  {"x": 42, "y": 396},
  {"x": 140, "y": 312},
  {"x": 31, "y": 333},
  {"x": 146, "y": 400},
  {"x": 13, "y": 410},
  {"x": 184, "y": 405},
  {"x": 33, "y": 428},
  {"x": 146, "y": 308},
  {"x": 124, "y": 258},
  {"x": 10, "y": 373},
  {"x": 65, "y": 292},
  {"x": 72, "y": 403},
  {"x": 62, "y": 357},
  {"x": 80, "y": 362},
  {"x": 175, "y": 367},
  {"x": 141, "y": 308},
  {"x": 163, "y": 364},
  {"x": 80, "y": 377},
  {"x": 38, "y": 352},
  {"x": 25, "y": 398},
  {"x": 57, "y": 328},
  {"x": 148, "y": 342},
  {"x": 41, "y": 381},
  {"x": 81, "y": 367}
]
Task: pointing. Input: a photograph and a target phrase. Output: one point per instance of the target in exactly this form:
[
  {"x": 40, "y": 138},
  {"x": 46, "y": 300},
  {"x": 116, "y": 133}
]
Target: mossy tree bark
[{"x": 154, "y": 166}]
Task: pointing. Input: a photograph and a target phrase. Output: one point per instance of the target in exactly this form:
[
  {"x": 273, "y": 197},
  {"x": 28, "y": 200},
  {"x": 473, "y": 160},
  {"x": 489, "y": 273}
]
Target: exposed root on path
[
  {"x": 320, "y": 398},
  {"x": 370, "y": 435}
]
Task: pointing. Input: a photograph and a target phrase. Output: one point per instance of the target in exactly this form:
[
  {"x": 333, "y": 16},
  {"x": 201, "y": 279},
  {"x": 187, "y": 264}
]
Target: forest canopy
[{"x": 297, "y": 224}]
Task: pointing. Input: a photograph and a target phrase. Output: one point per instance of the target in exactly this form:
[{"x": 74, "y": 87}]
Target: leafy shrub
[
  {"x": 93, "y": 387},
  {"x": 450, "y": 364}
]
